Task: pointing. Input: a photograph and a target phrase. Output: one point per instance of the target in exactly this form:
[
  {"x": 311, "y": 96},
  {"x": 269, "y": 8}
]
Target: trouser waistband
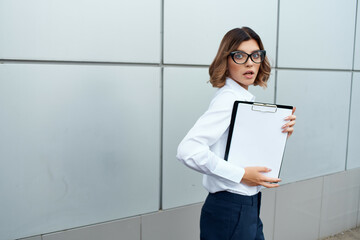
[{"x": 238, "y": 198}]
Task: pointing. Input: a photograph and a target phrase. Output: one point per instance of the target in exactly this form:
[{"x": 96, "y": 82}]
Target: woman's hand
[
  {"x": 253, "y": 177},
  {"x": 289, "y": 126}
]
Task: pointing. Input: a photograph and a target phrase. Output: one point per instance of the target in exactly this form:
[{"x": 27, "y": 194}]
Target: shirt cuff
[{"x": 229, "y": 171}]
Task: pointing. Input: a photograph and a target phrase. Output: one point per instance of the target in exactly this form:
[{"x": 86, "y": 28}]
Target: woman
[{"x": 230, "y": 211}]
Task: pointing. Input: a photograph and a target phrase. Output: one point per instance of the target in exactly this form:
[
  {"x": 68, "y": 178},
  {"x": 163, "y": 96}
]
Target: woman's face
[{"x": 244, "y": 74}]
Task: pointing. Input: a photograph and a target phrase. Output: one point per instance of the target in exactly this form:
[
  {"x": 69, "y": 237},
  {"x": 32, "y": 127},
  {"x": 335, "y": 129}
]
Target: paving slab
[{"x": 352, "y": 234}]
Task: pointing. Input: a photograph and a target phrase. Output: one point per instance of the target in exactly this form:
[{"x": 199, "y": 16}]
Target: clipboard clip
[{"x": 264, "y": 107}]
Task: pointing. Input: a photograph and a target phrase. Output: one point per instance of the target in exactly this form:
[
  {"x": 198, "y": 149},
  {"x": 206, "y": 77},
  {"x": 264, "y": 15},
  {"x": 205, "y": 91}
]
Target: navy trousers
[{"x": 229, "y": 216}]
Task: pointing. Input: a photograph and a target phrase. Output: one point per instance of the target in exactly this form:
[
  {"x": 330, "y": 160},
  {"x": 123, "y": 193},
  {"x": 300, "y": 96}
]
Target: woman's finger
[
  {"x": 291, "y": 118},
  {"x": 290, "y": 133},
  {"x": 291, "y": 123},
  {"x": 288, "y": 127},
  {"x": 263, "y": 169},
  {"x": 270, "y": 185},
  {"x": 270, "y": 179},
  {"x": 289, "y": 130}
]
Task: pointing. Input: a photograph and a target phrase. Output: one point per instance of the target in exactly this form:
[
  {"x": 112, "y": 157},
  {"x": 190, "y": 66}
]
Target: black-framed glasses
[{"x": 240, "y": 57}]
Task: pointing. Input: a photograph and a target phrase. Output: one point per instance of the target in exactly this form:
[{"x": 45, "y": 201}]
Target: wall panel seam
[
  {"x": 315, "y": 69},
  {"x": 274, "y": 217},
  {"x": 354, "y": 46},
  {"x": 161, "y": 139},
  {"x": 161, "y": 65},
  {"x": 358, "y": 215},
  {"x": 162, "y": 12},
  {"x": 162, "y": 105},
  {"x": 141, "y": 220},
  {"x": 275, "y": 85},
  {"x": 277, "y": 34},
  {"x": 349, "y": 121},
  {"x": 71, "y": 62},
  {"x": 321, "y": 206}
]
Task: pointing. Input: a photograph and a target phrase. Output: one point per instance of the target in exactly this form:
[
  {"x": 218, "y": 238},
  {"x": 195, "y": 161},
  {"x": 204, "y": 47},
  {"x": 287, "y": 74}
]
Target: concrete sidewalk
[{"x": 352, "y": 234}]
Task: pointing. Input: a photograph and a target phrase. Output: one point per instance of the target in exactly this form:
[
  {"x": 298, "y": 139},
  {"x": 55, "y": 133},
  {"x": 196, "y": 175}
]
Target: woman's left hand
[{"x": 289, "y": 126}]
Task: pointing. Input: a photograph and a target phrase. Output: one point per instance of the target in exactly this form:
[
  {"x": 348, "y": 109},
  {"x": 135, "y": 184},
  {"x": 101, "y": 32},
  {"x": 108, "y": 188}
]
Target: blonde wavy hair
[{"x": 218, "y": 69}]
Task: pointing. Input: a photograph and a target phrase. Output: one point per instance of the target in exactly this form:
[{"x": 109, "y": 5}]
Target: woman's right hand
[{"x": 253, "y": 177}]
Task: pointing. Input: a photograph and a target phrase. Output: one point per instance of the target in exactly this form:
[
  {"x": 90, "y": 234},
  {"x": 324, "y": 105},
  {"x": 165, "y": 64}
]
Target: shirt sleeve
[{"x": 194, "y": 150}]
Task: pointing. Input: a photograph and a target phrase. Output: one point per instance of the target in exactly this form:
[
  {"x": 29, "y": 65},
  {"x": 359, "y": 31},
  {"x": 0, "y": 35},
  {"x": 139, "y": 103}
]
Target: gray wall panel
[
  {"x": 186, "y": 97},
  {"x": 175, "y": 224},
  {"x": 194, "y": 39},
  {"x": 32, "y": 238},
  {"x": 318, "y": 145},
  {"x": 128, "y": 229},
  {"x": 78, "y": 145},
  {"x": 340, "y": 202},
  {"x": 353, "y": 160},
  {"x": 310, "y": 32},
  {"x": 267, "y": 212},
  {"x": 298, "y": 208},
  {"x": 106, "y": 30}
]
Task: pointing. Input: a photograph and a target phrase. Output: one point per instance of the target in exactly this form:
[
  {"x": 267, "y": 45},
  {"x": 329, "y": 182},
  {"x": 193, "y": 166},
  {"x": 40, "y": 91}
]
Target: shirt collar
[{"x": 239, "y": 89}]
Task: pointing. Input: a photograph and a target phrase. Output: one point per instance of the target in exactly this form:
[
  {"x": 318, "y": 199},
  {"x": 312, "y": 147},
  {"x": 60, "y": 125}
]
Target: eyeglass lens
[{"x": 242, "y": 57}]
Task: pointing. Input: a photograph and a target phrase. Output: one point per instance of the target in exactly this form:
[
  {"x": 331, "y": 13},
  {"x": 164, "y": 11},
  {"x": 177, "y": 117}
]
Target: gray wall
[{"x": 96, "y": 95}]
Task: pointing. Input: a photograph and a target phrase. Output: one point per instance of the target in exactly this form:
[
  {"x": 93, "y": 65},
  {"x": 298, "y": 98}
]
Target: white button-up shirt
[{"x": 203, "y": 148}]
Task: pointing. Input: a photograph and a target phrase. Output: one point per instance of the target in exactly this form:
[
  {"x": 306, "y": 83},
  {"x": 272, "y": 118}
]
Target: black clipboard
[{"x": 255, "y": 135}]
